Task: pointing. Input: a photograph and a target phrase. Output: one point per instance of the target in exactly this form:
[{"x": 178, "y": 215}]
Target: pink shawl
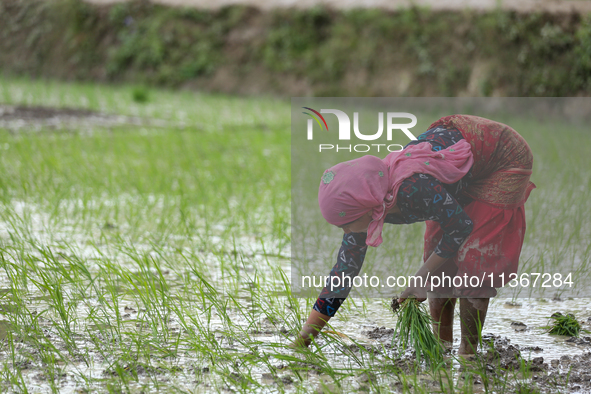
[{"x": 350, "y": 189}]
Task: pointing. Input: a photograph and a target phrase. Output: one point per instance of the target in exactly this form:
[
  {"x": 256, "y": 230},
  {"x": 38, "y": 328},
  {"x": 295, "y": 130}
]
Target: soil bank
[{"x": 314, "y": 51}]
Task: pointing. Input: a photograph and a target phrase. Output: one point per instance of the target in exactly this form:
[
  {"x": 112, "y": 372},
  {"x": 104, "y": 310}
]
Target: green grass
[
  {"x": 162, "y": 224},
  {"x": 156, "y": 257}
]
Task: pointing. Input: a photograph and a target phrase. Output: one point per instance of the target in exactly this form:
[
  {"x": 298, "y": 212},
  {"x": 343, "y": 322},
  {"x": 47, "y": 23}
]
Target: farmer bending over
[{"x": 467, "y": 178}]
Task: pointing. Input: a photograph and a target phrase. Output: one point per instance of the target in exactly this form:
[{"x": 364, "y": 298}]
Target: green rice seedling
[
  {"x": 414, "y": 329},
  {"x": 565, "y": 325}
]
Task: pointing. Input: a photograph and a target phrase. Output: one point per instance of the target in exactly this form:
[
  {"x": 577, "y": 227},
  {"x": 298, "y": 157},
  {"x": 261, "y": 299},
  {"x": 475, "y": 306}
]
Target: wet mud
[
  {"x": 520, "y": 368},
  {"x": 520, "y": 356},
  {"x": 573, "y": 373}
]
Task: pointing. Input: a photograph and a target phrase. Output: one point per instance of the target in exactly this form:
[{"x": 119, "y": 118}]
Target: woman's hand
[{"x": 420, "y": 293}]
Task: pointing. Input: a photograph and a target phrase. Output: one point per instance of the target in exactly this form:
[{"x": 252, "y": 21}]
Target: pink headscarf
[{"x": 350, "y": 189}]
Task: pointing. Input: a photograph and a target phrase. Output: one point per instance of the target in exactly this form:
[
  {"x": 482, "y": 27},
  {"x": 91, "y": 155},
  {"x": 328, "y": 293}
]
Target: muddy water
[
  {"x": 353, "y": 321},
  {"x": 534, "y": 313},
  {"x": 555, "y": 363}
]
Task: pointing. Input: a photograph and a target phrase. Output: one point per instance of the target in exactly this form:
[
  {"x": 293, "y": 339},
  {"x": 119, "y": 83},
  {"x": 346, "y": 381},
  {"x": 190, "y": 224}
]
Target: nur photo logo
[{"x": 392, "y": 120}]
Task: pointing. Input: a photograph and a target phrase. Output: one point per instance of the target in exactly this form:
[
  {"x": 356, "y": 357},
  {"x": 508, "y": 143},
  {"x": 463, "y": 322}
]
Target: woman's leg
[
  {"x": 472, "y": 315},
  {"x": 442, "y": 313}
]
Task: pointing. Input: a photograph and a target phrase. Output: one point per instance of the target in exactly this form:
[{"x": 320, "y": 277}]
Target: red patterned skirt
[{"x": 499, "y": 188}]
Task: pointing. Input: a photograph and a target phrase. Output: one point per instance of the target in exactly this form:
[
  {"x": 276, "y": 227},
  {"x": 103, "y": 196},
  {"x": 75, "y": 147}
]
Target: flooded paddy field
[{"x": 145, "y": 247}]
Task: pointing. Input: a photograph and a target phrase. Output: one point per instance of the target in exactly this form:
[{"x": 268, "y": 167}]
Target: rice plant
[
  {"x": 565, "y": 325},
  {"x": 413, "y": 329}
]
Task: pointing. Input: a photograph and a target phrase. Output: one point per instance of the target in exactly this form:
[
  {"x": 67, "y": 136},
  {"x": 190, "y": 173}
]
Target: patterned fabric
[
  {"x": 420, "y": 197},
  {"x": 503, "y": 163},
  {"x": 353, "y": 188},
  {"x": 493, "y": 248},
  {"x": 441, "y": 138},
  {"x": 500, "y": 186},
  {"x": 349, "y": 261},
  {"x": 491, "y": 195}
]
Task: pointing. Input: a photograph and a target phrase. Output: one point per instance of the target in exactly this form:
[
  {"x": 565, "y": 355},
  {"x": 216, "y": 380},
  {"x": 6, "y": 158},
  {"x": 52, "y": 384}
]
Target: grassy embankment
[{"x": 412, "y": 52}]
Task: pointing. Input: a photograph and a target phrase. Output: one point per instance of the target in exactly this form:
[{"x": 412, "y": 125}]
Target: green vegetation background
[{"x": 412, "y": 52}]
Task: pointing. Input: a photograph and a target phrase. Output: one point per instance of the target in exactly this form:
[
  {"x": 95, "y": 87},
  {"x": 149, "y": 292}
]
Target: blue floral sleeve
[{"x": 338, "y": 284}]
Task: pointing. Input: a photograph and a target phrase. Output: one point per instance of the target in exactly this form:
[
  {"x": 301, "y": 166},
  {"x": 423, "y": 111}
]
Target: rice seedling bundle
[
  {"x": 414, "y": 329},
  {"x": 565, "y": 325}
]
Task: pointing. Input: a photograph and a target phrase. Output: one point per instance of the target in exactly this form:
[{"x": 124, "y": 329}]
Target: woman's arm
[
  {"x": 433, "y": 262},
  {"x": 349, "y": 261},
  {"x": 431, "y": 201}
]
